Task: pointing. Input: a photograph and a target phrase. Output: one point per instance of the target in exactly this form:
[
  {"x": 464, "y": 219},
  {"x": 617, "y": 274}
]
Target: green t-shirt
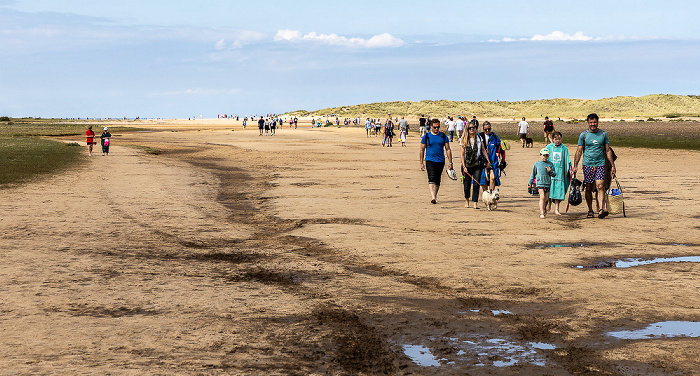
[{"x": 594, "y": 147}]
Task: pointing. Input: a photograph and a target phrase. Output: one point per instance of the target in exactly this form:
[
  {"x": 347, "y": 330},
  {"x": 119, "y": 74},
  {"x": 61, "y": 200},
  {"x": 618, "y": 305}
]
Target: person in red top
[{"x": 90, "y": 139}]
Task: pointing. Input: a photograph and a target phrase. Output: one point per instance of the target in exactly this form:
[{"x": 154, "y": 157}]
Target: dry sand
[{"x": 316, "y": 251}]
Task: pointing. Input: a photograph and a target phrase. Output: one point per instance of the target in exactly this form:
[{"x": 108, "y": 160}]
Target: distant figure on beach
[
  {"x": 261, "y": 125},
  {"x": 459, "y": 127},
  {"x": 104, "y": 140},
  {"x": 388, "y": 133},
  {"x": 474, "y": 122},
  {"x": 594, "y": 146},
  {"x": 368, "y": 126},
  {"x": 403, "y": 125},
  {"x": 431, "y": 147},
  {"x": 273, "y": 126},
  {"x": 296, "y": 120},
  {"x": 450, "y": 127},
  {"x": 523, "y": 130},
  {"x": 90, "y": 139},
  {"x": 548, "y": 128},
  {"x": 421, "y": 125}
]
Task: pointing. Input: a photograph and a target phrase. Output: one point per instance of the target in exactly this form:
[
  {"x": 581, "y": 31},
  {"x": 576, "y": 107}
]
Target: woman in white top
[{"x": 471, "y": 148}]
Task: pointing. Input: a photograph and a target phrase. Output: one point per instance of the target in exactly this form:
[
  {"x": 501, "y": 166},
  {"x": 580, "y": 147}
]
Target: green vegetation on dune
[
  {"x": 22, "y": 158},
  {"x": 657, "y": 105}
]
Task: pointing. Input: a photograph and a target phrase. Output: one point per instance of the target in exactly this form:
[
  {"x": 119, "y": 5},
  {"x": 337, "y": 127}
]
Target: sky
[{"x": 181, "y": 59}]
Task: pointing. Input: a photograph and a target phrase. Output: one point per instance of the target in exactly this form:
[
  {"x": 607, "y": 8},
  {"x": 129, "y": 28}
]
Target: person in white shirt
[
  {"x": 450, "y": 128},
  {"x": 523, "y": 130},
  {"x": 459, "y": 125}
]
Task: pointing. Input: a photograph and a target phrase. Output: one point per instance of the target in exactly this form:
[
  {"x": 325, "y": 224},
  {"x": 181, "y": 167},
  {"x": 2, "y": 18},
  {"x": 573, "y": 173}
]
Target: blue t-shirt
[
  {"x": 594, "y": 147},
  {"x": 434, "y": 148}
]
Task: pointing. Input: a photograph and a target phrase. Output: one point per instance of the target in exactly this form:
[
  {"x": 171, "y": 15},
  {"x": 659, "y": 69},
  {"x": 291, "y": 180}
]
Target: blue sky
[{"x": 176, "y": 59}]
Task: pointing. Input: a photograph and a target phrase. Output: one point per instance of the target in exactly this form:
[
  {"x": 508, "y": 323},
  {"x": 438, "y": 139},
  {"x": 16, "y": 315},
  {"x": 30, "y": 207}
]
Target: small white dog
[{"x": 490, "y": 199}]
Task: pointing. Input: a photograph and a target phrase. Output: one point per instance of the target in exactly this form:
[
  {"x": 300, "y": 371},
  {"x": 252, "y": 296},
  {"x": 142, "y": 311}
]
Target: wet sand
[{"x": 316, "y": 251}]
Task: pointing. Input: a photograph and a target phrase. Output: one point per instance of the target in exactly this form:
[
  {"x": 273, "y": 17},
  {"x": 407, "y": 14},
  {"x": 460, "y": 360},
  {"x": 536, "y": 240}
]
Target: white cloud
[
  {"x": 220, "y": 45},
  {"x": 377, "y": 41},
  {"x": 562, "y": 36},
  {"x": 554, "y": 36},
  {"x": 287, "y": 35}
]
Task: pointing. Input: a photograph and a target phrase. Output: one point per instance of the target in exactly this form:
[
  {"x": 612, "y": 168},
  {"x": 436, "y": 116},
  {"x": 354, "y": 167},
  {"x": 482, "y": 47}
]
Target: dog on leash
[
  {"x": 528, "y": 142},
  {"x": 490, "y": 199}
]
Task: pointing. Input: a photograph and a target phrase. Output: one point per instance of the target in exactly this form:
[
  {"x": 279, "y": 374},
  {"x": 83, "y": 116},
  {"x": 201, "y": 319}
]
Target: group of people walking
[
  {"x": 374, "y": 127},
  {"x": 104, "y": 140},
  {"x": 482, "y": 158}
]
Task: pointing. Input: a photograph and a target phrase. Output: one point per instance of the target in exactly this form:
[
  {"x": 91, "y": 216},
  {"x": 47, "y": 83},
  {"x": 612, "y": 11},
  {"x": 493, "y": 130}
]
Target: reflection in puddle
[
  {"x": 421, "y": 355},
  {"x": 661, "y": 330},
  {"x": 562, "y": 245},
  {"x": 630, "y": 262},
  {"x": 542, "y": 345},
  {"x": 503, "y": 353},
  {"x": 482, "y": 352},
  {"x": 497, "y": 312}
]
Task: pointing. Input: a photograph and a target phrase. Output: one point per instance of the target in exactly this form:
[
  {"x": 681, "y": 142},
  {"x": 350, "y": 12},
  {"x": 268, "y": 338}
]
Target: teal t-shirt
[
  {"x": 539, "y": 172},
  {"x": 594, "y": 147}
]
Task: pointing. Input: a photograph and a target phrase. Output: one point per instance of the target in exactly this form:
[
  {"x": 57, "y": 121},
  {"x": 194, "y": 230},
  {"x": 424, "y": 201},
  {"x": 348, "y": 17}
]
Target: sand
[{"x": 316, "y": 251}]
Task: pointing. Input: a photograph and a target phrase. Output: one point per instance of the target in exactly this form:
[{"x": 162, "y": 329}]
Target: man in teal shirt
[{"x": 593, "y": 145}]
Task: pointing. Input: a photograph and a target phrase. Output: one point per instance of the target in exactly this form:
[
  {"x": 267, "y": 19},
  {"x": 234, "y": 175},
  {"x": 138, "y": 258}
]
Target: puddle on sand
[
  {"x": 631, "y": 262},
  {"x": 563, "y": 245},
  {"x": 421, "y": 355},
  {"x": 664, "y": 329},
  {"x": 506, "y": 353},
  {"x": 482, "y": 352},
  {"x": 497, "y": 312}
]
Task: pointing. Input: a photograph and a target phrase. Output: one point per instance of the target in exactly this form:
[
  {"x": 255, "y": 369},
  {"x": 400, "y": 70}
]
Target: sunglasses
[
  {"x": 436, "y": 126},
  {"x": 471, "y": 128},
  {"x": 487, "y": 129}
]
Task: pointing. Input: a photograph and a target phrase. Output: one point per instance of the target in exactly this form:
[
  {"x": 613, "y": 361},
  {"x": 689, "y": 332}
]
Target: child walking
[
  {"x": 559, "y": 156},
  {"x": 542, "y": 171}
]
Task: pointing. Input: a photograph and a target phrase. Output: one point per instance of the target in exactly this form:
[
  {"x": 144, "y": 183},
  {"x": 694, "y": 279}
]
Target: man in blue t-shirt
[
  {"x": 594, "y": 146},
  {"x": 431, "y": 147}
]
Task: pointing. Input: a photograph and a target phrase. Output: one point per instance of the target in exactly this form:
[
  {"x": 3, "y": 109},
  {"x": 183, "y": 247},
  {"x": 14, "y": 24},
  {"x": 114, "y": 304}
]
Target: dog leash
[{"x": 472, "y": 178}]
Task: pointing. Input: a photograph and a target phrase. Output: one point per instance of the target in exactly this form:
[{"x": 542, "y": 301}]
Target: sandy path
[{"x": 213, "y": 269}]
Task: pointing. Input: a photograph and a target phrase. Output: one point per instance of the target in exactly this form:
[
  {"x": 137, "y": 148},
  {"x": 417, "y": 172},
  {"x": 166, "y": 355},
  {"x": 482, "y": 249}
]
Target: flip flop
[
  {"x": 433, "y": 201},
  {"x": 590, "y": 214},
  {"x": 602, "y": 213}
]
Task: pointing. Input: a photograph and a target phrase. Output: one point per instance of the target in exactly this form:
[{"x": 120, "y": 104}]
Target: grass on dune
[
  {"x": 657, "y": 105},
  {"x": 22, "y": 158}
]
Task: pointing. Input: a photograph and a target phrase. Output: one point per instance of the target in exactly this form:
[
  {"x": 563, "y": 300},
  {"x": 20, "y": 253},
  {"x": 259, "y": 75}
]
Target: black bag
[
  {"x": 481, "y": 160},
  {"x": 575, "y": 192}
]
